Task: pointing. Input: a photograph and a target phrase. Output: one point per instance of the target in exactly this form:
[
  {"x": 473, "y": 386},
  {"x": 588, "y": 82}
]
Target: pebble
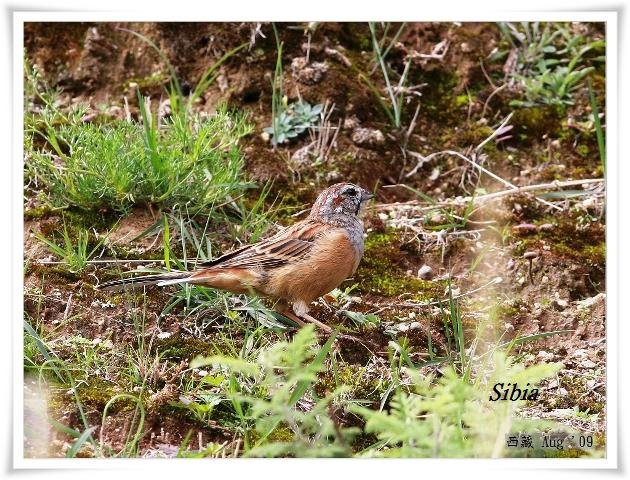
[
  {"x": 589, "y": 302},
  {"x": 525, "y": 228},
  {"x": 560, "y": 303},
  {"x": 546, "y": 226},
  {"x": 301, "y": 158},
  {"x": 368, "y": 137},
  {"x": 415, "y": 326},
  {"x": 403, "y": 327},
  {"x": 588, "y": 364},
  {"x": 545, "y": 356},
  {"x": 437, "y": 218},
  {"x": 308, "y": 73},
  {"x": 425, "y": 272}
]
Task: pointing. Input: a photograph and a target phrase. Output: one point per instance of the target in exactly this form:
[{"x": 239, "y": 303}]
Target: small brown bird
[{"x": 296, "y": 266}]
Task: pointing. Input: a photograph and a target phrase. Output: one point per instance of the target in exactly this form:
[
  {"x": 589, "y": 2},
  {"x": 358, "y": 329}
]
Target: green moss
[
  {"x": 381, "y": 271},
  {"x": 38, "y": 212},
  {"x": 96, "y": 392},
  {"x": 353, "y": 376},
  {"x": 582, "y": 150},
  {"x": 534, "y": 122},
  {"x": 156, "y": 79},
  {"x": 439, "y": 101},
  {"x": 586, "y": 244},
  {"x": 178, "y": 348}
]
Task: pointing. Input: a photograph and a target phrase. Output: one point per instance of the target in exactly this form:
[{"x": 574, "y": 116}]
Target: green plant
[
  {"x": 283, "y": 375},
  {"x": 396, "y": 93},
  {"x": 599, "y": 131},
  {"x": 550, "y": 61},
  {"x": 450, "y": 417},
  {"x": 294, "y": 120},
  {"x": 181, "y": 159},
  {"x": 75, "y": 256}
]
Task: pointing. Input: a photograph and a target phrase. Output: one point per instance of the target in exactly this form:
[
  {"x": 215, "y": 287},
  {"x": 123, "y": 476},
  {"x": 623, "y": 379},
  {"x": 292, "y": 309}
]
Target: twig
[
  {"x": 68, "y": 306},
  {"x": 542, "y": 186},
  {"x": 485, "y": 170},
  {"x": 94, "y": 262},
  {"x": 494, "y": 92},
  {"x": 485, "y": 74},
  {"x": 486, "y": 197}
]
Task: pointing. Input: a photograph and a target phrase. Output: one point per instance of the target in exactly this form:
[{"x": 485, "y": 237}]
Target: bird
[{"x": 295, "y": 266}]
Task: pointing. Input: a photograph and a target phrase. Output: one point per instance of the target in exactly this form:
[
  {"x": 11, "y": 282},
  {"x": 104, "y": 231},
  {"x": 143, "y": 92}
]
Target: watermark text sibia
[{"x": 512, "y": 392}]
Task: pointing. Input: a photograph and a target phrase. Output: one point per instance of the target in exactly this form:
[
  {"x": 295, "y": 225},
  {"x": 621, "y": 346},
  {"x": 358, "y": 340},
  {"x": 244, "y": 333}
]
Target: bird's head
[{"x": 341, "y": 199}]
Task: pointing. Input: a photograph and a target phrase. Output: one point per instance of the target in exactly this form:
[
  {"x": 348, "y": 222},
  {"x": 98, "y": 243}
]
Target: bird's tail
[{"x": 160, "y": 279}]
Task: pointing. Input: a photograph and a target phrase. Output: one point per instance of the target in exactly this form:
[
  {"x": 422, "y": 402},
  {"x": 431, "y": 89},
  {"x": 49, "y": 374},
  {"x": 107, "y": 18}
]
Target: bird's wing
[{"x": 287, "y": 246}]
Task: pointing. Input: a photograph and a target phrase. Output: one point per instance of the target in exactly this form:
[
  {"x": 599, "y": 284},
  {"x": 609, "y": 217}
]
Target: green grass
[
  {"x": 393, "y": 105},
  {"x": 185, "y": 159},
  {"x": 75, "y": 255}
]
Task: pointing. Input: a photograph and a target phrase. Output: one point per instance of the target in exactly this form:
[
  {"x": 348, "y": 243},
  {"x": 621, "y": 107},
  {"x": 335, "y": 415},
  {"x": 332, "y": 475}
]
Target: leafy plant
[
  {"x": 451, "y": 417},
  {"x": 550, "y": 61},
  {"x": 281, "y": 378},
  {"x": 293, "y": 121}
]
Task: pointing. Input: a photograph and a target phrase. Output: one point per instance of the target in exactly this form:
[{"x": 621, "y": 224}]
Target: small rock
[
  {"x": 511, "y": 264},
  {"x": 580, "y": 353},
  {"x": 164, "y": 335},
  {"x": 560, "y": 303},
  {"x": 546, "y": 227},
  {"x": 265, "y": 136},
  {"x": 525, "y": 228},
  {"x": 425, "y": 272},
  {"x": 589, "y": 302},
  {"x": 529, "y": 255},
  {"x": 301, "y": 158},
  {"x": 588, "y": 364},
  {"x": 415, "y": 326},
  {"x": 544, "y": 356},
  {"x": 368, "y": 137},
  {"x": 333, "y": 176},
  {"x": 562, "y": 391},
  {"x": 308, "y": 73},
  {"x": 465, "y": 47},
  {"x": 403, "y": 327},
  {"x": 437, "y": 218},
  {"x": 351, "y": 123}
]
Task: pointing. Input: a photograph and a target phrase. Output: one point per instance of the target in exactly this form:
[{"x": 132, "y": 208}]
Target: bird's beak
[{"x": 365, "y": 196}]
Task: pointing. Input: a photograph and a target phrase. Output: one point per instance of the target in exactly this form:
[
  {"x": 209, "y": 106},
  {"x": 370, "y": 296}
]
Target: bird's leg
[
  {"x": 301, "y": 310},
  {"x": 292, "y": 316},
  {"x": 283, "y": 309}
]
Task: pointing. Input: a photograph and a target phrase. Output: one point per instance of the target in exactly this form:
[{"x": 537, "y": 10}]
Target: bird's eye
[{"x": 351, "y": 192}]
